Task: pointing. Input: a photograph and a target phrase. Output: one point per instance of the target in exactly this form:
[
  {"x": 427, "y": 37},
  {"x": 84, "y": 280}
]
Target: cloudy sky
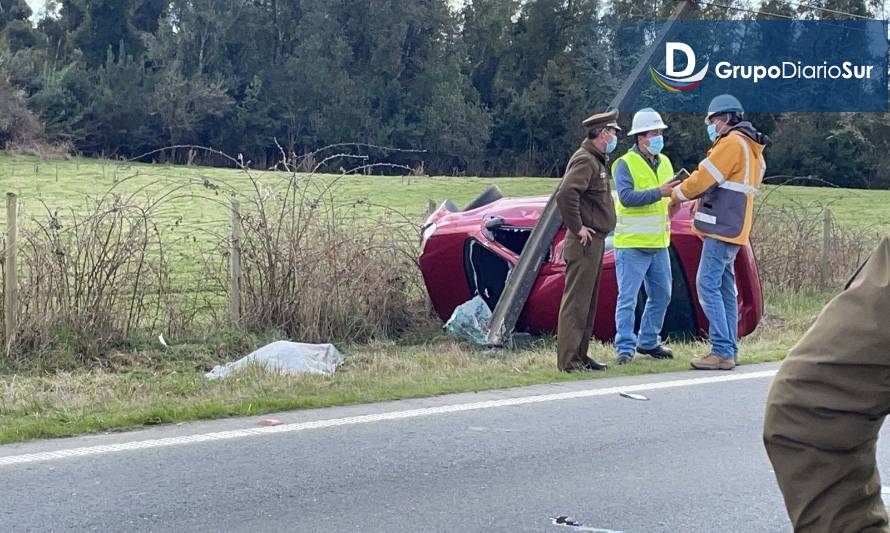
[{"x": 36, "y": 5}]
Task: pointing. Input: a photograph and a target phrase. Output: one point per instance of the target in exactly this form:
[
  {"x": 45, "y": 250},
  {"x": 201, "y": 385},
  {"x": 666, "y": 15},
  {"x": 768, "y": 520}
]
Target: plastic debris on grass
[{"x": 470, "y": 321}]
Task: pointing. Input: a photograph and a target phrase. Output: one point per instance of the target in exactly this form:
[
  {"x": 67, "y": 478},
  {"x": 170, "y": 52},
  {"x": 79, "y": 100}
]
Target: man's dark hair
[{"x": 592, "y": 133}]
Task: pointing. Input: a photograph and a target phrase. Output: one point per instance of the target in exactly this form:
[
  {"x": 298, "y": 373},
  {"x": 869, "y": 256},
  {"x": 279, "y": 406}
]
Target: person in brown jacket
[
  {"x": 828, "y": 403},
  {"x": 585, "y": 203}
]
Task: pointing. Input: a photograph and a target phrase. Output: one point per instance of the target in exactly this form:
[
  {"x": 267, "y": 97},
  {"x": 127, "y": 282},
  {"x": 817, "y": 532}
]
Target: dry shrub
[
  {"x": 101, "y": 277},
  {"x": 788, "y": 241},
  {"x": 88, "y": 280},
  {"x": 127, "y": 266},
  {"x": 17, "y": 123},
  {"x": 41, "y": 148},
  {"x": 322, "y": 271},
  {"x": 21, "y": 132}
]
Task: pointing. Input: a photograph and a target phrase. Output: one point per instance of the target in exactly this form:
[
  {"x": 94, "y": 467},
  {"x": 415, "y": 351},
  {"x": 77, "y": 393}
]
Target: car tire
[
  {"x": 451, "y": 207},
  {"x": 489, "y": 195}
]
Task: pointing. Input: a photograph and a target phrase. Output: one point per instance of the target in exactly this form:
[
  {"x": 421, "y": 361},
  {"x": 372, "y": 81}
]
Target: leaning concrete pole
[{"x": 521, "y": 280}]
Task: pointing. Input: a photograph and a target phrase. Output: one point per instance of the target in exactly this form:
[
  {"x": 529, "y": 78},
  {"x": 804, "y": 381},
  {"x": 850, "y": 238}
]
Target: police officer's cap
[{"x": 603, "y": 120}]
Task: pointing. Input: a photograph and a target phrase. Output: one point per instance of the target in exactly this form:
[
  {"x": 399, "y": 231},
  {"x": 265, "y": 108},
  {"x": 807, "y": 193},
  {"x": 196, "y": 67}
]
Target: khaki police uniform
[
  {"x": 828, "y": 403},
  {"x": 584, "y": 199}
]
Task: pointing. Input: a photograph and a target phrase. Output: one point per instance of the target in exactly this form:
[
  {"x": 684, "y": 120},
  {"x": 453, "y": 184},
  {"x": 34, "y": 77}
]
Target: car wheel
[{"x": 489, "y": 195}]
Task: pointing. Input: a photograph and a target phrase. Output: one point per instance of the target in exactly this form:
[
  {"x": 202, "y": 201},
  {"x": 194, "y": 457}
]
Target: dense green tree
[
  {"x": 487, "y": 38},
  {"x": 101, "y": 25},
  {"x": 148, "y": 13},
  {"x": 117, "y": 120},
  {"x": 20, "y": 35},
  {"x": 184, "y": 103},
  {"x": 15, "y": 28},
  {"x": 492, "y": 87},
  {"x": 11, "y": 10}
]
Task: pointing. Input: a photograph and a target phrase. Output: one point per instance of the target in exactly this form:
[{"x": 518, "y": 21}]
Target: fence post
[
  {"x": 235, "y": 265},
  {"x": 825, "y": 270},
  {"x": 10, "y": 282}
]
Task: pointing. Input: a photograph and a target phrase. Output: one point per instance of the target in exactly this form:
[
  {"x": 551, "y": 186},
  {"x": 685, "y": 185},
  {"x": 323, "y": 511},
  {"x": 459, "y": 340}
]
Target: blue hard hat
[{"x": 725, "y": 103}]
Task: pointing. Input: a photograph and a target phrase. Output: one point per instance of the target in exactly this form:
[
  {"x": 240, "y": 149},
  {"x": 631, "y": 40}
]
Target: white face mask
[
  {"x": 656, "y": 145},
  {"x": 715, "y": 130}
]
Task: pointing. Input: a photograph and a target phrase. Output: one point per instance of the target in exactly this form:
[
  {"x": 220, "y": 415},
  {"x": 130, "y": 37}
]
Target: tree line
[{"x": 484, "y": 87}]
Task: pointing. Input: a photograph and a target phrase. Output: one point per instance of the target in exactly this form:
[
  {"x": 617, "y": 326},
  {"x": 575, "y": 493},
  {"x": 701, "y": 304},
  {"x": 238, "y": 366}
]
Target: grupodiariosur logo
[{"x": 679, "y": 80}]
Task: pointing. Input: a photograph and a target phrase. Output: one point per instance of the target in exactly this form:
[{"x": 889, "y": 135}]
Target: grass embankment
[
  {"x": 143, "y": 383},
  {"x": 152, "y": 386}
]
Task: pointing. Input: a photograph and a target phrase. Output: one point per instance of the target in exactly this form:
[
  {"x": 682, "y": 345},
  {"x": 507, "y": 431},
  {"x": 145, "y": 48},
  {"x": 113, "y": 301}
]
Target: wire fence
[
  {"x": 802, "y": 246},
  {"x": 178, "y": 255}
]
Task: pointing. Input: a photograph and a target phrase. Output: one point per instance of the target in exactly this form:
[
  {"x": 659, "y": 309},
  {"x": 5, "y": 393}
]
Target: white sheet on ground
[{"x": 287, "y": 358}]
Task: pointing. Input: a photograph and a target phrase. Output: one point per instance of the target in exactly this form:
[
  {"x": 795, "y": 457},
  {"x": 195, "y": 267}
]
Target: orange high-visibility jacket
[{"x": 725, "y": 183}]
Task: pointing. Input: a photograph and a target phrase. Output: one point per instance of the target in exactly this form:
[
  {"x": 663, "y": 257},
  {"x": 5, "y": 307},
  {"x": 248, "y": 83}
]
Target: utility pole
[{"x": 521, "y": 280}]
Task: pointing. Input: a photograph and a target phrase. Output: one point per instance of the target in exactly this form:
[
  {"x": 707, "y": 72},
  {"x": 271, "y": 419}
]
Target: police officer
[
  {"x": 828, "y": 403},
  {"x": 585, "y": 203}
]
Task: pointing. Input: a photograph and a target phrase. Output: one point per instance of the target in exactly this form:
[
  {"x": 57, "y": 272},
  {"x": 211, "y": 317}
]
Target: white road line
[{"x": 367, "y": 419}]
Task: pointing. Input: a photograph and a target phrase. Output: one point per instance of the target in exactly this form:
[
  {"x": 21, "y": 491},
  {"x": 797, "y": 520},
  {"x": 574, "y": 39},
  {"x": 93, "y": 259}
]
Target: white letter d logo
[
  {"x": 671, "y": 49},
  {"x": 675, "y": 80}
]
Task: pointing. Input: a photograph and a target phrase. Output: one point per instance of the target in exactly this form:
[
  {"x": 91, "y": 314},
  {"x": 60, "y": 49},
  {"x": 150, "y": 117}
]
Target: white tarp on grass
[{"x": 287, "y": 357}]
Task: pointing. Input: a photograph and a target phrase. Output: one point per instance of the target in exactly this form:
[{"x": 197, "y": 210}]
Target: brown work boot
[{"x": 712, "y": 362}]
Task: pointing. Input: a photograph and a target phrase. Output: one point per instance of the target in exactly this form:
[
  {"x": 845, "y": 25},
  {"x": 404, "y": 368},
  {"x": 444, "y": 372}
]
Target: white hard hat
[{"x": 646, "y": 120}]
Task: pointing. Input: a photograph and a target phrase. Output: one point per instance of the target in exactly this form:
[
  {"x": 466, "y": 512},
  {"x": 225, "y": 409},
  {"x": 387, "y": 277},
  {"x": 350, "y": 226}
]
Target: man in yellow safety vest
[{"x": 644, "y": 180}]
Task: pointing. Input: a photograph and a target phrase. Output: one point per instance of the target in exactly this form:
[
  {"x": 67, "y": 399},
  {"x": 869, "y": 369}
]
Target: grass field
[
  {"x": 144, "y": 384},
  {"x": 66, "y": 184}
]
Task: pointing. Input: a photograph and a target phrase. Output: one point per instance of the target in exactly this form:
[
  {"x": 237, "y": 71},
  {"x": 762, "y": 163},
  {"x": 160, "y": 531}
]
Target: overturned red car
[{"x": 472, "y": 251}]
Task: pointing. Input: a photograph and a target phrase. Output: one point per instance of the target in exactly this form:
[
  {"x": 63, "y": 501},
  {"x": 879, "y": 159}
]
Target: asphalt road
[{"x": 688, "y": 460}]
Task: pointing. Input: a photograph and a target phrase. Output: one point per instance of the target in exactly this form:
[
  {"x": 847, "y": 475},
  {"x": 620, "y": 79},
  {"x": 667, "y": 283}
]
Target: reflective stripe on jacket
[{"x": 726, "y": 182}]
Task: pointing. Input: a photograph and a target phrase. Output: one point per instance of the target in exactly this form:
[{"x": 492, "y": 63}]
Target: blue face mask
[
  {"x": 712, "y": 132},
  {"x": 612, "y": 144},
  {"x": 656, "y": 144}
]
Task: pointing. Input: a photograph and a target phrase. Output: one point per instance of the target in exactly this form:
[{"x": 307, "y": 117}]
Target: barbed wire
[
  {"x": 747, "y": 10},
  {"x": 782, "y": 15},
  {"x": 829, "y": 10}
]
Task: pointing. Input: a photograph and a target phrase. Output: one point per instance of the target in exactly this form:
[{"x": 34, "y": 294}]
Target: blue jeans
[
  {"x": 650, "y": 267},
  {"x": 718, "y": 296}
]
